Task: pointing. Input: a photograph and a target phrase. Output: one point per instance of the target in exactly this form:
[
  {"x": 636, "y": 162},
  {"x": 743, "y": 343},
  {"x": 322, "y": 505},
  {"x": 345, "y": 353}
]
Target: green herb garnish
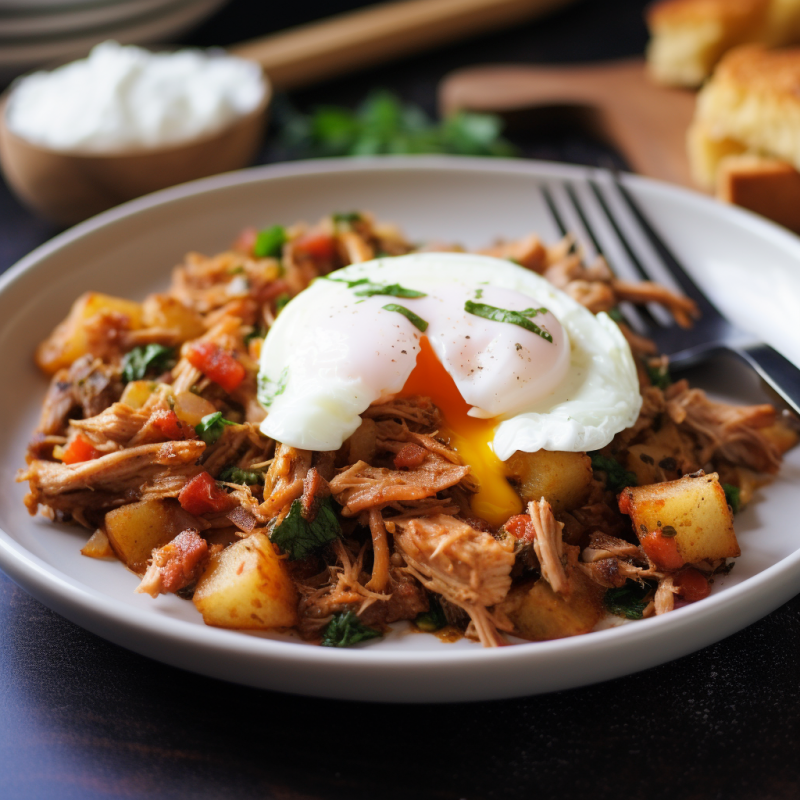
[
  {"x": 298, "y": 537},
  {"x": 629, "y": 600},
  {"x": 281, "y": 302},
  {"x": 659, "y": 375},
  {"x": 433, "y": 619},
  {"x": 256, "y": 333},
  {"x": 270, "y": 242},
  {"x": 345, "y": 630},
  {"x": 245, "y": 477},
  {"x": 151, "y": 358},
  {"x": 211, "y": 427},
  {"x": 478, "y": 294},
  {"x": 347, "y": 218},
  {"x": 733, "y": 496},
  {"x": 617, "y": 477},
  {"x": 416, "y": 321},
  {"x": 520, "y": 318},
  {"x": 366, "y": 288},
  {"x": 383, "y": 124},
  {"x": 268, "y": 390},
  {"x": 616, "y": 315}
]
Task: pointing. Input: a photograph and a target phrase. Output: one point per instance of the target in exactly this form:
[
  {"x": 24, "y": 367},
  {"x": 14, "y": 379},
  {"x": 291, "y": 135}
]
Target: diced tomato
[
  {"x": 80, "y": 450},
  {"x": 216, "y": 364},
  {"x": 661, "y": 550},
  {"x": 410, "y": 455},
  {"x": 246, "y": 241},
  {"x": 202, "y": 496},
  {"x": 319, "y": 246},
  {"x": 692, "y": 584},
  {"x": 168, "y": 423},
  {"x": 521, "y": 527}
]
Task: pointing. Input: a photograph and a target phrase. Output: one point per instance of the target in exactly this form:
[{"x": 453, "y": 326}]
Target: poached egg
[{"x": 511, "y": 362}]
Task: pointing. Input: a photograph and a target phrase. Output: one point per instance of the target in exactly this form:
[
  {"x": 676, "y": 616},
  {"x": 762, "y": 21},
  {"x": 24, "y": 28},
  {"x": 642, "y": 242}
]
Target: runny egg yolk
[{"x": 470, "y": 437}]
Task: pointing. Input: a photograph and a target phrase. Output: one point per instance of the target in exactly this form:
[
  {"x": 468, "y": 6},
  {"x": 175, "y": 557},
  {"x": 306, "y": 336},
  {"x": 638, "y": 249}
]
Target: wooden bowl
[{"x": 70, "y": 186}]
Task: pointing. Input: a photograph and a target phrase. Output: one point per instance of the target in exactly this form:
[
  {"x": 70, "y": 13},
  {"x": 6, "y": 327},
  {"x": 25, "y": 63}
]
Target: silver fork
[{"x": 606, "y": 220}]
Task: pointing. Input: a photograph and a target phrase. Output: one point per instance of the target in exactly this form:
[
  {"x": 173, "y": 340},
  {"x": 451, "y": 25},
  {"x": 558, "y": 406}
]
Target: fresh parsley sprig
[
  {"x": 211, "y": 427},
  {"x": 269, "y": 242},
  {"x": 298, "y": 537},
  {"x": 521, "y": 318},
  {"x": 268, "y": 389},
  {"x": 345, "y": 630},
  {"x": 433, "y": 619},
  {"x": 151, "y": 358},
  {"x": 382, "y": 124},
  {"x": 244, "y": 477},
  {"x": 629, "y": 600}
]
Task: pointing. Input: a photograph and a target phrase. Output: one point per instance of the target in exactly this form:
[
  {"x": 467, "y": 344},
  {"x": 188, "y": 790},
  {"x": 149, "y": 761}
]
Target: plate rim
[{"x": 78, "y": 602}]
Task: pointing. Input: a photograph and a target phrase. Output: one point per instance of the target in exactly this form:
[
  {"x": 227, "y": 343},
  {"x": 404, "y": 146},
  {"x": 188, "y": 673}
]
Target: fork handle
[{"x": 780, "y": 373}]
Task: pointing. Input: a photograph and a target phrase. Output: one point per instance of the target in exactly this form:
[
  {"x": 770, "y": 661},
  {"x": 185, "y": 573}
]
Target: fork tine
[
  {"x": 655, "y": 260},
  {"x": 572, "y": 216}
]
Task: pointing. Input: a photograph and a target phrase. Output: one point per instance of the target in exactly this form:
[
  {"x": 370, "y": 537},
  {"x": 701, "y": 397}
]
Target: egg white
[{"x": 318, "y": 404}]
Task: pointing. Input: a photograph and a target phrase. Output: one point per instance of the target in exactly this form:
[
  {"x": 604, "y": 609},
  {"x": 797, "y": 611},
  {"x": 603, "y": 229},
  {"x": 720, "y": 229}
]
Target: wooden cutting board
[{"x": 645, "y": 122}]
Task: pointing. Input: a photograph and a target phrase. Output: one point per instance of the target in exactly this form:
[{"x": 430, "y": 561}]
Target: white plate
[
  {"x": 75, "y": 21},
  {"x": 748, "y": 265},
  {"x": 161, "y": 26}
]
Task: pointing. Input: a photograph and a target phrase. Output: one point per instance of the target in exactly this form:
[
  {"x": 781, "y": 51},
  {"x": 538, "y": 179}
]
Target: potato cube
[
  {"x": 163, "y": 311},
  {"x": 539, "y": 613},
  {"x": 98, "y": 546},
  {"x": 136, "y": 529},
  {"x": 247, "y": 586},
  {"x": 137, "y": 393},
  {"x": 643, "y": 461},
  {"x": 69, "y": 340},
  {"x": 563, "y": 479},
  {"x": 692, "y": 511},
  {"x": 191, "y": 408}
]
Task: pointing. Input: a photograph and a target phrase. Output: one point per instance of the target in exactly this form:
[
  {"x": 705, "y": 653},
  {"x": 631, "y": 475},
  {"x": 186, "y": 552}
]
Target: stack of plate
[{"x": 36, "y": 32}]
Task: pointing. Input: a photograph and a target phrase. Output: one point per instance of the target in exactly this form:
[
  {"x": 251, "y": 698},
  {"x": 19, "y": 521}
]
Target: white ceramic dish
[
  {"x": 74, "y": 21},
  {"x": 161, "y": 26},
  {"x": 752, "y": 268}
]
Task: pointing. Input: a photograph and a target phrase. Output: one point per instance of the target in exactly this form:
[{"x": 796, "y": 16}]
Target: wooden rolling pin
[
  {"x": 379, "y": 33},
  {"x": 645, "y": 122}
]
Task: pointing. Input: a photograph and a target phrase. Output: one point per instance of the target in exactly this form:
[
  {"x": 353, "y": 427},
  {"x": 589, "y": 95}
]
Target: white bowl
[{"x": 749, "y": 266}]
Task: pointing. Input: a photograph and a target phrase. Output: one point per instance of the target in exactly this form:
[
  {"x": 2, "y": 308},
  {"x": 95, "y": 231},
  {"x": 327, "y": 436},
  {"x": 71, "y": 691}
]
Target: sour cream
[{"x": 127, "y": 98}]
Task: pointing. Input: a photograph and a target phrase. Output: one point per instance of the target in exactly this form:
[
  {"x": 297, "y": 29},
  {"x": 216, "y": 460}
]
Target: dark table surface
[{"x": 82, "y": 718}]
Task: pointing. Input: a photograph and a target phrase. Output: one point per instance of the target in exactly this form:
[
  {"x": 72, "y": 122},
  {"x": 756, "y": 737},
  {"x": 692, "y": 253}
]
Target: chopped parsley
[
  {"x": 416, "y": 321},
  {"x": 345, "y": 630},
  {"x": 245, "y": 477},
  {"x": 617, "y": 477},
  {"x": 151, "y": 358},
  {"x": 211, "y": 427},
  {"x": 268, "y": 389},
  {"x": 298, "y": 537},
  {"x": 629, "y": 600},
  {"x": 281, "y": 302},
  {"x": 369, "y": 289},
  {"x": 433, "y": 619},
  {"x": 616, "y": 315},
  {"x": 346, "y": 218},
  {"x": 270, "y": 242},
  {"x": 520, "y": 318},
  {"x": 659, "y": 375},
  {"x": 733, "y": 496},
  {"x": 478, "y": 294},
  {"x": 256, "y": 333}
]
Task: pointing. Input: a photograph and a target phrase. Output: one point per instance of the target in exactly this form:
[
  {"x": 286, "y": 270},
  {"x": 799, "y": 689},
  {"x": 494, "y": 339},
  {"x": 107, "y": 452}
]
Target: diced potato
[
  {"x": 69, "y": 341},
  {"x": 539, "y": 613},
  {"x": 136, "y": 529},
  {"x": 694, "y": 506},
  {"x": 563, "y": 479},
  {"x": 137, "y": 393},
  {"x": 163, "y": 311},
  {"x": 247, "y": 586},
  {"x": 98, "y": 546},
  {"x": 191, "y": 408}
]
